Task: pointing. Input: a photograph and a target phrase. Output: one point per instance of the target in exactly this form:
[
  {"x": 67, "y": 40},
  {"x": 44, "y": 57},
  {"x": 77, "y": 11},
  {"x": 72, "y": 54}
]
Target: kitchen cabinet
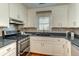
[
  {"x": 35, "y": 45},
  {"x": 67, "y": 47},
  {"x": 32, "y": 20},
  {"x": 73, "y": 15},
  {"x": 58, "y": 46},
  {"x": 23, "y": 14},
  {"x": 18, "y": 12},
  {"x": 74, "y": 50},
  {"x": 9, "y": 50},
  {"x": 50, "y": 46},
  {"x": 4, "y": 16},
  {"x": 60, "y": 16},
  {"x": 13, "y": 11}
]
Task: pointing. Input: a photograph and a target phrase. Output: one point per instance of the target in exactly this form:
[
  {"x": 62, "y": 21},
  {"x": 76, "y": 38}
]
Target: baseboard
[{"x": 41, "y": 54}]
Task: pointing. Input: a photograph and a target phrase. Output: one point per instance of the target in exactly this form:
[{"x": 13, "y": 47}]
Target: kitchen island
[
  {"x": 53, "y": 43},
  {"x": 57, "y": 35}
]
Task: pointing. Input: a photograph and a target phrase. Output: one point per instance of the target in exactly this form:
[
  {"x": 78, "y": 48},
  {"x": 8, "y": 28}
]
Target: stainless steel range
[
  {"x": 24, "y": 46},
  {"x": 22, "y": 41}
]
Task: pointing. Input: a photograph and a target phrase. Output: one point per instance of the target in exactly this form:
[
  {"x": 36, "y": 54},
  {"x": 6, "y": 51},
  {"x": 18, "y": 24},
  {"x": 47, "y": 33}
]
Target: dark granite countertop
[
  {"x": 56, "y": 35},
  {"x": 75, "y": 41},
  {"x": 4, "y": 42},
  {"x": 10, "y": 39}
]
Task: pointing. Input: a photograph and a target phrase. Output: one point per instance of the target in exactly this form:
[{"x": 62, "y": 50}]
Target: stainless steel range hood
[
  {"x": 14, "y": 21},
  {"x": 17, "y": 24}
]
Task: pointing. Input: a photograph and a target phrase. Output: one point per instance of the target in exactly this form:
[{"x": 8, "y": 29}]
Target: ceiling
[{"x": 37, "y": 5}]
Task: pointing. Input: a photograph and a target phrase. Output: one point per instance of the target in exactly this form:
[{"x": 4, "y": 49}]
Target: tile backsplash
[
  {"x": 57, "y": 29},
  {"x": 75, "y": 30},
  {"x": 29, "y": 29}
]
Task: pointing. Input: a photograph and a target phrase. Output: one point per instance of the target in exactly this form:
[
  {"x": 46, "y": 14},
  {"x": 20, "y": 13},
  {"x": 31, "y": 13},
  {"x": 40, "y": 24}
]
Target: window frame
[{"x": 39, "y": 23}]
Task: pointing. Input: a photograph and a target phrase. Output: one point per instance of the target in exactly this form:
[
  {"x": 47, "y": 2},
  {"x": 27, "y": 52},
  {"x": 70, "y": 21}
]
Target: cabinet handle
[
  {"x": 67, "y": 50},
  {"x": 8, "y": 49},
  {"x": 42, "y": 44},
  {"x": 63, "y": 46}
]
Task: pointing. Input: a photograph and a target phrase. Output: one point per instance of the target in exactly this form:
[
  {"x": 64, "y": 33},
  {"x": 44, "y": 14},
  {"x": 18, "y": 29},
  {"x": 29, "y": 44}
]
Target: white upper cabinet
[
  {"x": 23, "y": 14},
  {"x": 60, "y": 16},
  {"x": 13, "y": 11},
  {"x": 32, "y": 18},
  {"x": 19, "y": 12},
  {"x": 74, "y": 15},
  {"x": 4, "y": 16}
]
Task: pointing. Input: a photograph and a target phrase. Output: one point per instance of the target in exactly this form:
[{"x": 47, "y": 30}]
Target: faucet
[{"x": 67, "y": 34}]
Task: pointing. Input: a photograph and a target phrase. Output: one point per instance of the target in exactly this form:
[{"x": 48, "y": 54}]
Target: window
[{"x": 44, "y": 23}]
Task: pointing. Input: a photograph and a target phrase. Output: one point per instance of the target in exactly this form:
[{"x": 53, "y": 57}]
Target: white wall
[{"x": 4, "y": 14}]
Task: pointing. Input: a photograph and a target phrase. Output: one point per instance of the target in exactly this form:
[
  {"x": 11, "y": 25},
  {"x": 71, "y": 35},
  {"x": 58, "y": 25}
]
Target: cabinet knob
[
  {"x": 8, "y": 49},
  {"x": 42, "y": 44},
  {"x": 58, "y": 40},
  {"x": 63, "y": 46}
]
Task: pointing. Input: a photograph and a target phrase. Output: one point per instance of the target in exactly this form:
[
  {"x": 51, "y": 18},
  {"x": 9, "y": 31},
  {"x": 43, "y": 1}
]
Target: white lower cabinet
[
  {"x": 9, "y": 50},
  {"x": 74, "y": 50},
  {"x": 50, "y": 46}
]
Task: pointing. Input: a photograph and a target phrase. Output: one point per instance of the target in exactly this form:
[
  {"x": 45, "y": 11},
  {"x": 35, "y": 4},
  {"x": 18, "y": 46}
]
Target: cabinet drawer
[
  {"x": 11, "y": 53},
  {"x": 7, "y": 49}
]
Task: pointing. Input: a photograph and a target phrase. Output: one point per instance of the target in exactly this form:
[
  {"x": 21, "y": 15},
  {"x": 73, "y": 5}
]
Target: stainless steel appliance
[
  {"x": 16, "y": 24},
  {"x": 22, "y": 41},
  {"x": 24, "y": 46}
]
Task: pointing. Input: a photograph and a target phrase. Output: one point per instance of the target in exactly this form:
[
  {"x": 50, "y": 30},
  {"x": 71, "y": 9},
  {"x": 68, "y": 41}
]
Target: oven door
[{"x": 24, "y": 45}]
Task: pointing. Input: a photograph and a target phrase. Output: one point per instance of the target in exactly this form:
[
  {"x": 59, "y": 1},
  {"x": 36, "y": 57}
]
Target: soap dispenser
[{"x": 72, "y": 35}]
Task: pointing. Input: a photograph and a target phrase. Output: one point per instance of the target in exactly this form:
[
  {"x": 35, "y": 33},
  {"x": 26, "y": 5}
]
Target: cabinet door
[
  {"x": 11, "y": 53},
  {"x": 32, "y": 18},
  {"x": 20, "y": 11},
  {"x": 47, "y": 45},
  {"x": 50, "y": 46},
  {"x": 73, "y": 15},
  {"x": 8, "y": 50},
  {"x": 35, "y": 45},
  {"x": 4, "y": 16},
  {"x": 74, "y": 50},
  {"x": 60, "y": 16},
  {"x": 13, "y": 11},
  {"x": 67, "y": 48},
  {"x": 22, "y": 14},
  {"x": 54, "y": 46}
]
